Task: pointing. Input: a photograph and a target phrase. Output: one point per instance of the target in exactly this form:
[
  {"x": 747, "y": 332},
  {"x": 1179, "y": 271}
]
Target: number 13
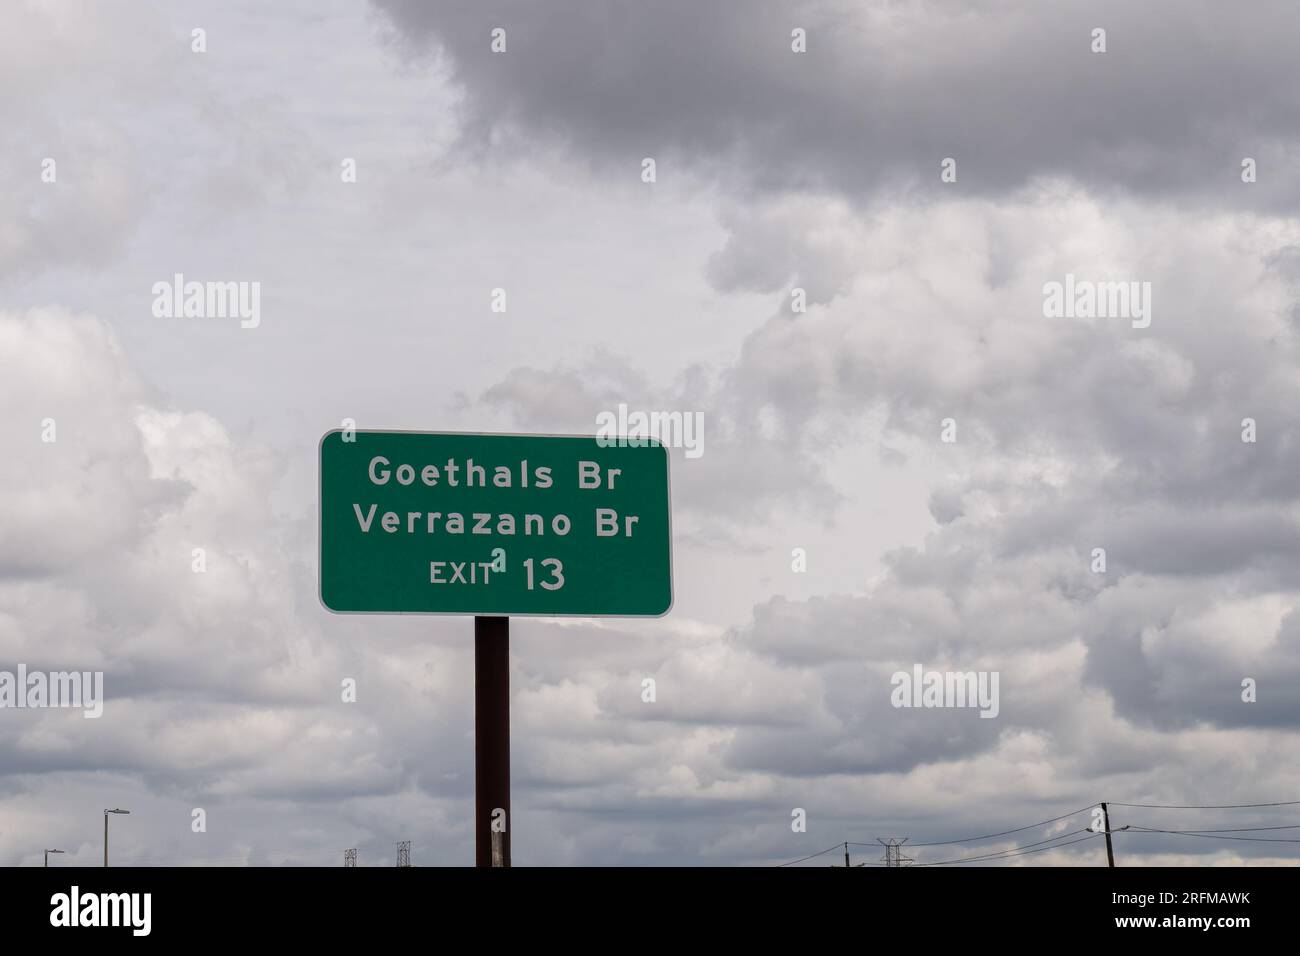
[{"x": 557, "y": 572}]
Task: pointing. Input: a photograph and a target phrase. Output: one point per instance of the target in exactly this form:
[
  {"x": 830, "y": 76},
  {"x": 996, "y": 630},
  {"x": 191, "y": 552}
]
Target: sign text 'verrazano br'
[{"x": 440, "y": 522}]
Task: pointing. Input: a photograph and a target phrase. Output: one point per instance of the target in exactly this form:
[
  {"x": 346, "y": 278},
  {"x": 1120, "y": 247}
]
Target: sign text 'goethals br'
[{"x": 425, "y": 522}]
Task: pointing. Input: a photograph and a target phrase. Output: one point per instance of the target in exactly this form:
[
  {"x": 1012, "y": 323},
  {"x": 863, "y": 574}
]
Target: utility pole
[
  {"x": 847, "y": 863},
  {"x": 404, "y": 853},
  {"x": 1110, "y": 852},
  {"x": 350, "y": 857},
  {"x": 47, "y": 855}
]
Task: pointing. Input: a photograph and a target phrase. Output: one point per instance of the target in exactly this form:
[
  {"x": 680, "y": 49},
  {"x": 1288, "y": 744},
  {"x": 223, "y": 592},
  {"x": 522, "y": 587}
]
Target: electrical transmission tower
[
  {"x": 404, "y": 853},
  {"x": 350, "y": 857},
  {"x": 894, "y": 852}
]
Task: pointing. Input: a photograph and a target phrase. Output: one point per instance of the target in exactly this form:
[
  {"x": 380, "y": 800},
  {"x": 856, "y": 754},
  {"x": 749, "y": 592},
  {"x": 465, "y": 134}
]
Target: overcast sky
[{"x": 775, "y": 170}]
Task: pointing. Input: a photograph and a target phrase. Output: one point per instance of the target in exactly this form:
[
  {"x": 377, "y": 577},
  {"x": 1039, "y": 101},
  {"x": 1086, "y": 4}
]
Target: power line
[
  {"x": 1215, "y": 836},
  {"x": 1018, "y": 851},
  {"x": 1223, "y": 806},
  {"x": 1292, "y": 826},
  {"x": 992, "y": 854},
  {"x": 810, "y": 856},
  {"x": 989, "y": 836}
]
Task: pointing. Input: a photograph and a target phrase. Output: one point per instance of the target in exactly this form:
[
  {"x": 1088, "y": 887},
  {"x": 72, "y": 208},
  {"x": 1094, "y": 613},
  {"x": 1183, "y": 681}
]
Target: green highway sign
[{"x": 449, "y": 523}]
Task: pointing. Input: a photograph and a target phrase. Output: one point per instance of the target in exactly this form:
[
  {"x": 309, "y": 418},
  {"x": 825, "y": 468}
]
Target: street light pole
[
  {"x": 48, "y": 852},
  {"x": 106, "y": 813}
]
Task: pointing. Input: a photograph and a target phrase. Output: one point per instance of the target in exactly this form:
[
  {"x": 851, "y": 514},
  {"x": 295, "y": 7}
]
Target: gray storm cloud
[{"x": 885, "y": 92}]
